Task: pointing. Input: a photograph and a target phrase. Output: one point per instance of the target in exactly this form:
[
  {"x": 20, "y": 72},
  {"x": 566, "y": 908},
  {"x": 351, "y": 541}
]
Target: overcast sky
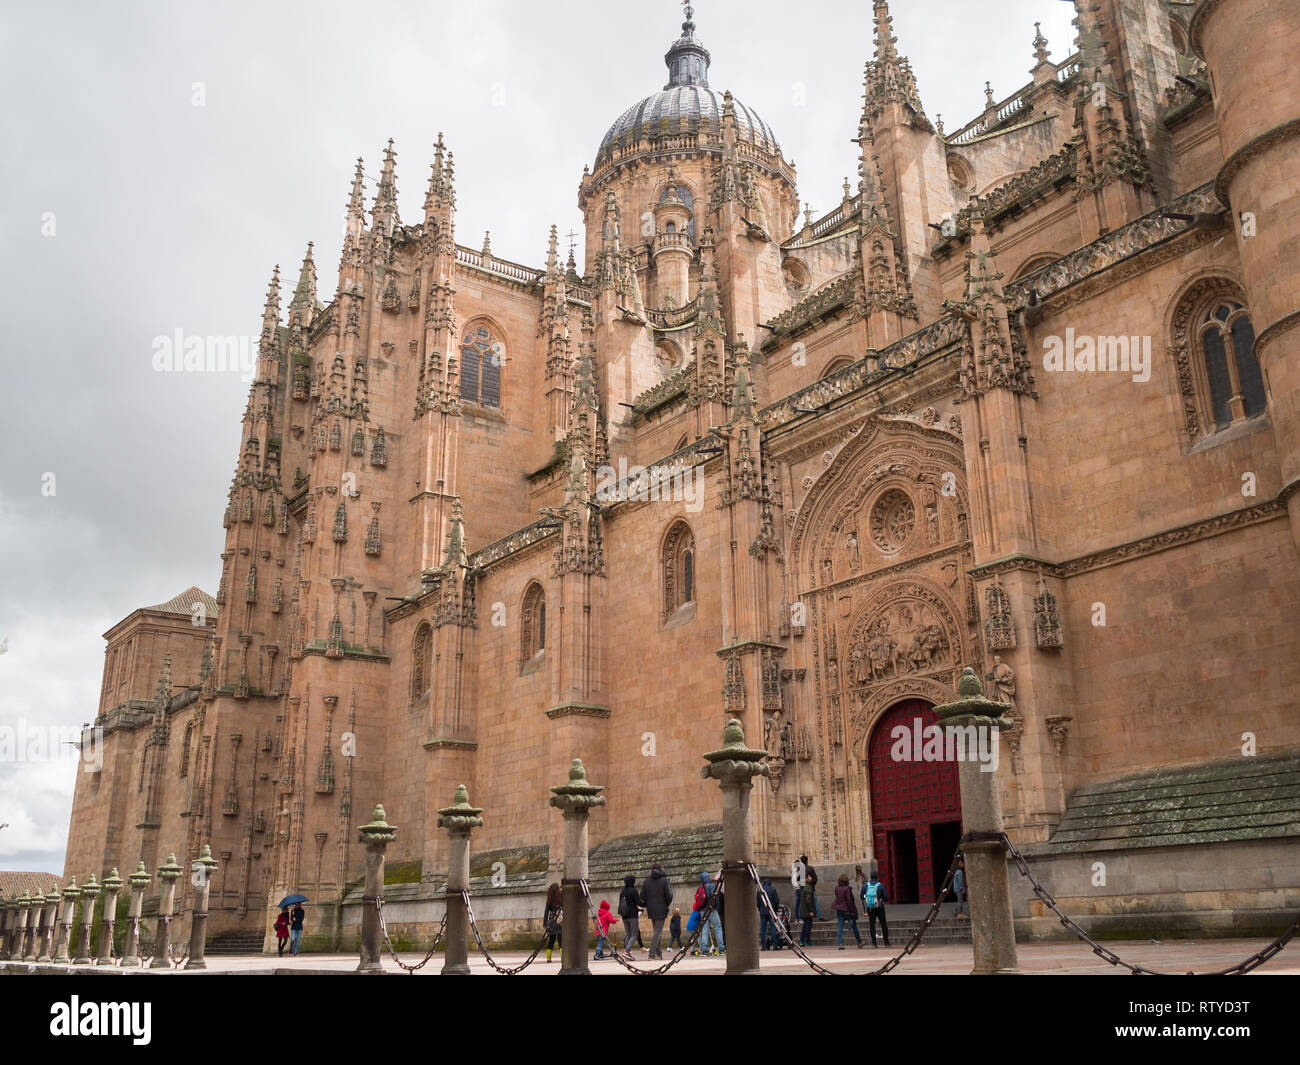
[{"x": 156, "y": 160}]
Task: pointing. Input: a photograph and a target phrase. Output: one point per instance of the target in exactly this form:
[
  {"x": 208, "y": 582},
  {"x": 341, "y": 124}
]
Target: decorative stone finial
[
  {"x": 140, "y": 878},
  {"x": 112, "y": 882},
  {"x": 972, "y": 708},
  {"x": 460, "y": 814},
  {"x": 90, "y": 889},
  {"x": 577, "y": 793},
  {"x": 733, "y": 760},
  {"x": 206, "y": 860},
  {"x": 72, "y": 892},
  {"x": 378, "y": 830},
  {"x": 170, "y": 870}
]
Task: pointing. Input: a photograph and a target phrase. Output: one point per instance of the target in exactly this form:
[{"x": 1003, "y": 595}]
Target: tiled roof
[
  {"x": 184, "y": 603},
  {"x": 14, "y": 884},
  {"x": 1234, "y": 799}
]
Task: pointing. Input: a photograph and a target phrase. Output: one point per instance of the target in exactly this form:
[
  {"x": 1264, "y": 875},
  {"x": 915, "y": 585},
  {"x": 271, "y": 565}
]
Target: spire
[
  {"x": 384, "y": 213},
  {"x": 889, "y": 79},
  {"x": 356, "y": 202},
  {"x": 456, "y": 554},
  {"x": 268, "y": 347},
  {"x": 552, "y": 254},
  {"x": 687, "y": 59},
  {"x": 1040, "y": 45},
  {"x": 304, "y": 293}
]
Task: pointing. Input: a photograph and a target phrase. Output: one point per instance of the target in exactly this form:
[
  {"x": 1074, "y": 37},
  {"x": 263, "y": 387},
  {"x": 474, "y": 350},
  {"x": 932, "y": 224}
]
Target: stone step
[{"x": 239, "y": 943}]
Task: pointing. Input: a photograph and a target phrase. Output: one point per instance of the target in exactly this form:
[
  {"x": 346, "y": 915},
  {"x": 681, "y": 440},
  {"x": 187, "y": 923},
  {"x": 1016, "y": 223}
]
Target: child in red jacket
[{"x": 604, "y": 920}]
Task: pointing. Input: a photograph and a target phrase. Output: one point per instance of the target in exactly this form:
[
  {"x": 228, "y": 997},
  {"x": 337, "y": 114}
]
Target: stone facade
[{"x": 427, "y": 582}]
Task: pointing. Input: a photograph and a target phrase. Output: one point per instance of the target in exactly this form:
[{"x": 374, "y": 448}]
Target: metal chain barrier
[
  {"x": 177, "y": 962},
  {"x": 893, "y": 962},
  {"x": 488, "y": 957},
  {"x": 383, "y": 928},
  {"x": 1240, "y": 969},
  {"x": 681, "y": 953}
]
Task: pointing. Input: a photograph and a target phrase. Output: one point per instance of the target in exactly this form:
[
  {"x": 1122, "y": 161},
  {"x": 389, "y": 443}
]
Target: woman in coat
[
  {"x": 845, "y": 910},
  {"x": 629, "y": 908},
  {"x": 552, "y": 916},
  {"x": 282, "y": 929}
]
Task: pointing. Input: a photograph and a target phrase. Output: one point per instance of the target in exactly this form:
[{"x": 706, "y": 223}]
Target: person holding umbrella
[{"x": 296, "y": 916}]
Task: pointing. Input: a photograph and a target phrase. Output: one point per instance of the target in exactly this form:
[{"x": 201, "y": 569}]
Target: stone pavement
[{"x": 1050, "y": 959}]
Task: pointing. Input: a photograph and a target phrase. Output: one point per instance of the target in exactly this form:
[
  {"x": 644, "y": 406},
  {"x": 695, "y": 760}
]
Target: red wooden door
[{"x": 907, "y": 797}]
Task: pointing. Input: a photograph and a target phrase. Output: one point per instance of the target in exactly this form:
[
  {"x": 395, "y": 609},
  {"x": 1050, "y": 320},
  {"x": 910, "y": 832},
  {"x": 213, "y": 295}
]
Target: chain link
[
  {"x": 383, "y": 928},
  {"x": 888, "y": 966},
  {"x": 488, "y": 957},
  {"x": 1240, "y": 969},
  {"x": 694, "y": 937}
]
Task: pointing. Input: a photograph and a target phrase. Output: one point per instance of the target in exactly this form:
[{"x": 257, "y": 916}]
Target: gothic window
[
  {"x": 185, "y": 750},
  {"x": 683, "y": 194},
  {"x": 421, "y": 652},
  {"x": 836, "y": 366},
  {"x": 1213, "y": 352},
  {"x": 670, "y": 227},
  {"x": 533, "y": 624},
  {"x": 481, "y": 357},
  {"x": 678, "y": 568},
  {"x": 892, "y": 520}
]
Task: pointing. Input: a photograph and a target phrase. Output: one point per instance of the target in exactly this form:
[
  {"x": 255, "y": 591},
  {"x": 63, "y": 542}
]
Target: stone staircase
[
  {"x": 236, "y": 943},
  {"x": 945, "y": 931}
]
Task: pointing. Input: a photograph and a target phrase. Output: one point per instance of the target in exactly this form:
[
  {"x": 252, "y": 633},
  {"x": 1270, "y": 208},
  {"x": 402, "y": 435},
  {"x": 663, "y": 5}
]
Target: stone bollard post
[
  {"x": 108, "y": 924},
  {"x": 63, "y": 931},
  {"x": 459, "y": 819},
  {"x": 734, "y": 766},
  {"x": 574, "y": 800},
  {"x": 204, "y": 866},
  {"x": 376, "y": 836},
  {"x": 49, "y": 916},
  {"x": 993, "y": 932},
  {"x": 169, "y": 872},
  {"x": 32, "y": 912},
  {"x": 139, "y": 880},
  {"x": 89, "y": 893}
]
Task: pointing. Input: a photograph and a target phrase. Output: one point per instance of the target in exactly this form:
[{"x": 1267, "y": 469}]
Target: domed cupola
[{"x": 685, "y": 105}]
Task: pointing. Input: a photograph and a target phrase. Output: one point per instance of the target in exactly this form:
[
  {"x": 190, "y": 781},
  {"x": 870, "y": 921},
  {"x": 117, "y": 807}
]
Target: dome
[{"x": 686, "y": 96}]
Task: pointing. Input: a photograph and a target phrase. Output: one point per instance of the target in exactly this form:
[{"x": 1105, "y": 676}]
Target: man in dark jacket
[
  {"x": 296, "y": 919},
  {"x": 656, "y": 896},
  {"x": 766, "y": 923}
]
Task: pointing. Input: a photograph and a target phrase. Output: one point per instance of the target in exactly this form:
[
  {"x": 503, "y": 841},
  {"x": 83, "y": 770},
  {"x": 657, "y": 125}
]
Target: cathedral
[{"x": 1026, "y": 400}]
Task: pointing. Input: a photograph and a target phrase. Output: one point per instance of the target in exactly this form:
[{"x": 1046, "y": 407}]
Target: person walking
[
  {"x": 552, "y": 916},
  {"x": 656, "y": 897},
  {"x": 629, "y": 908},
  {"x": 767, "y": 915},
  {"x": 805, "y": 901},
  {"x": 282, "y": 929},
  {"x": 959, "y": 889},
  {"x": 605, "y": 919},
  {"x": 875, "y": 896},
  {"x": 811, "y": 874},
  {"x": 712, "y": 921},
  {"x": 845, "y": 910},
  {"x": 295, "y": 928},
  {"x": 675, "y": 930}
]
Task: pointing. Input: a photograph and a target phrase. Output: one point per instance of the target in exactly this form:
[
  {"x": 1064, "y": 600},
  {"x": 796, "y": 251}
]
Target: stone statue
[
  {"x": 1004, "y": 681},
  {"x": 773, "y": 729}
]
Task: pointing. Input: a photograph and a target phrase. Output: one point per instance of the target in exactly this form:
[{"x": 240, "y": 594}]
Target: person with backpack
[
  {"x": 629, "y": 908},
  {"x": 712, "y": 923},
  {"x": 959, "y": 889},
  {"x": 874, "y": 897},
  {"x": 282, "y": 929},
  {"x": 656, "y": 897},
  {"x": 552, "y": 916},
  {"x": 605, "y": 920},
  {"x": 845, "y": 910},
  {"x": 767, "y": 915},
  {"x": 805, "y": 900}
]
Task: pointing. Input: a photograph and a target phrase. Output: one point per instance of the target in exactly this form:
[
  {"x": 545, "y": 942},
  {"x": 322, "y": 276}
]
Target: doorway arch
[{"x": 915, "y": 805}]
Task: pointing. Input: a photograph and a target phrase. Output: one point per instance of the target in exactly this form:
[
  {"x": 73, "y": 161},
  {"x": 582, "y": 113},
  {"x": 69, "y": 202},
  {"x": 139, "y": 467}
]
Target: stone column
[
  {"x": 734, "y": 767},
  {"x": 8, "y": 912},
  {"x": 169, "y": 872},
  {"x": 50, "y": 916},
  {"x": 108, "y": 923},
  {"x": 18, "y": 949},
  {"x": 459, "y": 819},
  {"x": 993, "y": 933},
  {"x": 376, "y": 836},
  {"x": 89, "y": 894},
  {"x": 139, "y": 880},
  {"x": 574, "y": 800},
  {"x": 63, "y": 930},
  {"x": 29, "y": 948},
  {"x": 204, "y": 866}
]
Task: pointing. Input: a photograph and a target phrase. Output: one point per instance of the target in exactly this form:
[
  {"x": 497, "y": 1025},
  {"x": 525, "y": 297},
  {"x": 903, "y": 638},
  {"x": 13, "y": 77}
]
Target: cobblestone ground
[{"x": 1049, "y": 959}]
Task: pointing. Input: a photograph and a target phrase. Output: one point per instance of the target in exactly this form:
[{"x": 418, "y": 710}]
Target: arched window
[
  {"x": 421, "y": 653},
  {"x": 1227, "y": 345},
  {"x": 1212, "y": 345},
  {"x": 481, "y": 358},
  {"x": 185, "y": 750},
  {"x": 836, "y": 366},
  {"x": 532, "y": 637},
  {"x": 678, "y": 568},
  {"x": 683, "y": 194}
]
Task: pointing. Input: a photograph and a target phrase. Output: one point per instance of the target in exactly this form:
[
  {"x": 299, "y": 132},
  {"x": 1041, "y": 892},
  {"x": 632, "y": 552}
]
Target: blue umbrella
[{"x": 289, "y": 900}]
